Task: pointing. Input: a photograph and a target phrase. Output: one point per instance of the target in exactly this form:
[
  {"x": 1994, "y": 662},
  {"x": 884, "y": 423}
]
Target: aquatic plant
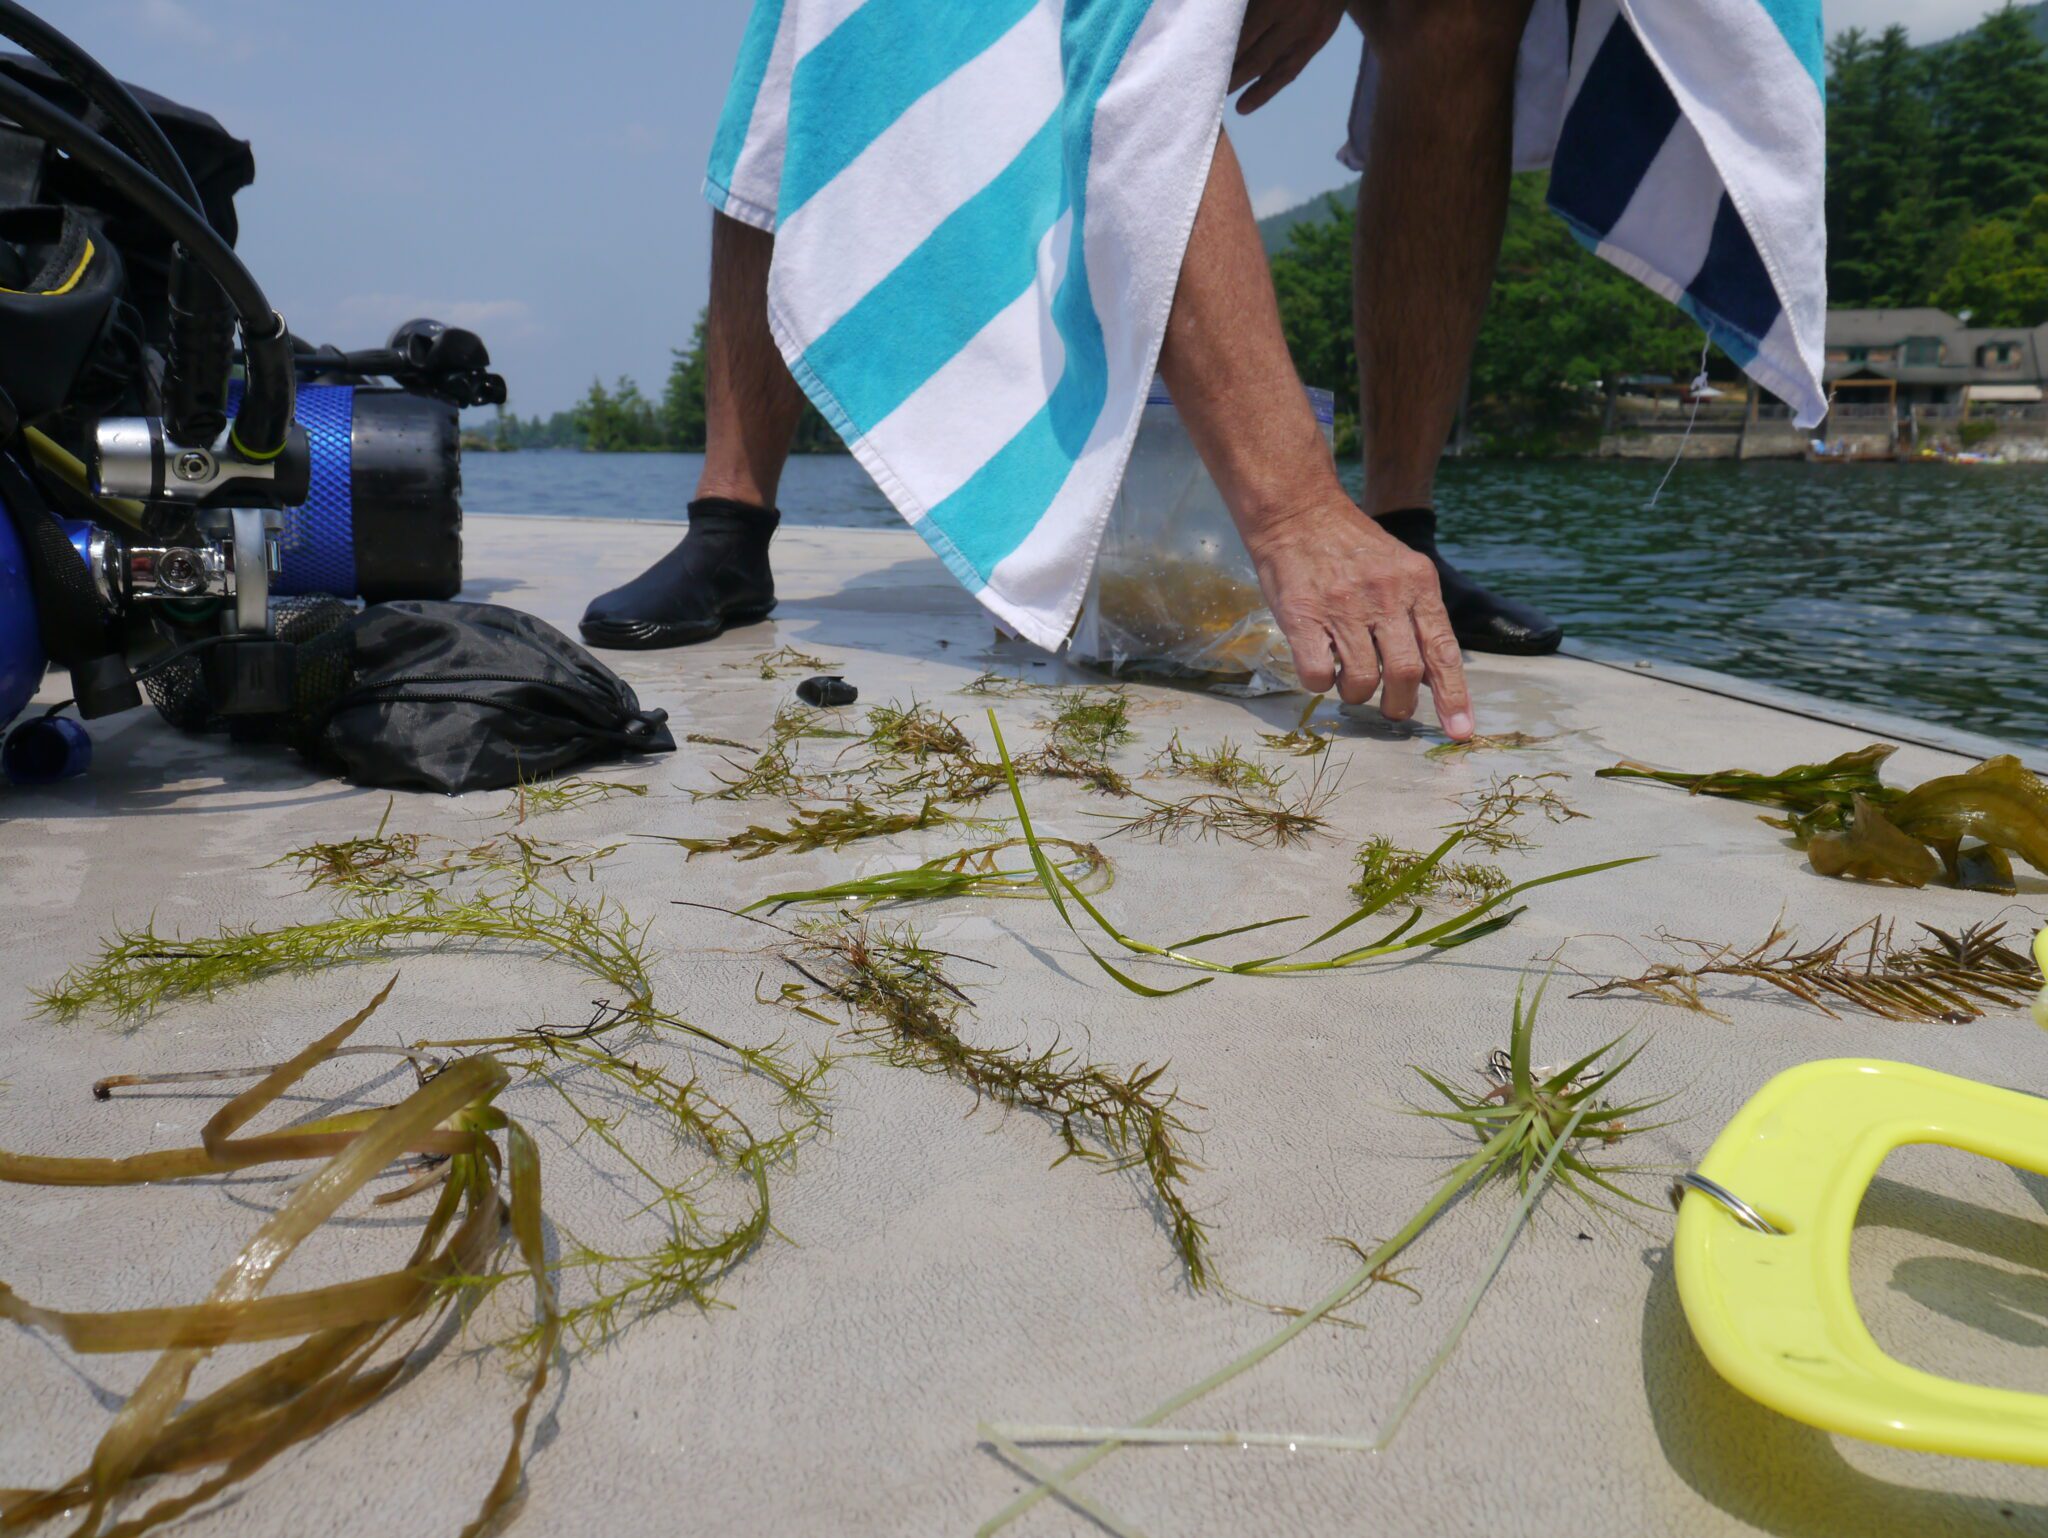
[
  {"x": 977, "y": 872},
  {"x": 1054, "y": 761},
  {"x": 343, "y": 1332},
  {"x": 785, "y": 659},
  {"x": 1481, "y": 919},
  {"x": 825, "y": 827},
  {"x": 916, "y": 732},
  {"x": 538, "y": 798},
  {"x": 1965, "y": 826},
  {"x": 1090, "y": 723},
  {"x": 1493, "y": 811},
  {"x": 1274, "y": 820},
  {"x": 1224, "y": 766},
  {"x": 1534, "y": 1126},
  {"x": 1947, "y": 978},
  {"x": 1381, "y": 864},
  {"x": 906, "y": 1006},
  {"x": 1500, "y": 742},
  {"x": 1002, "y": 685},
  {"x": 1303, "y": 741}
]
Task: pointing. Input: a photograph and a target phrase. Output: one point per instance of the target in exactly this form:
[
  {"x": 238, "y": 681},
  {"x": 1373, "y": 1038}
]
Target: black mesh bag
[{"x": 461, "y": 696}]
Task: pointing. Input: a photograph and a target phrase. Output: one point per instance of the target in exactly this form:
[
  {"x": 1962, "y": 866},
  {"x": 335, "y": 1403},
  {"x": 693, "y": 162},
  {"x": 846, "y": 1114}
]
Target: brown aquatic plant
[
  {"x": 1493, "y": 812},
  {"x": 1273, "y": 818},
  {"x": 910, "y": 1011},
  {"x": 784, "y": 660},
  {"x": 1946, "y": 978},
  {"x": 1304, "y": 741},
  {"x": 1499, "y": 742},
  {"x": 342, "y": 1359}
]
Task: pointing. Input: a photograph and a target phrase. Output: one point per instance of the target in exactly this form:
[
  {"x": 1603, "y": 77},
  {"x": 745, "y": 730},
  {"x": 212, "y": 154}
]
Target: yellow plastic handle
[{"x": 1775, "y": 1313}]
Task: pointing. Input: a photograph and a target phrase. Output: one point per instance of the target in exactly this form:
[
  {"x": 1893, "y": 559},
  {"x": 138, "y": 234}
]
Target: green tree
[
  {"x": 2000, "y": 271},
  {"x": 682, "y": 399},
  {"x": 1312, "y": 278},
  {"x": 1990, "y": 101},
  {"x": 1891, "y": 226}
]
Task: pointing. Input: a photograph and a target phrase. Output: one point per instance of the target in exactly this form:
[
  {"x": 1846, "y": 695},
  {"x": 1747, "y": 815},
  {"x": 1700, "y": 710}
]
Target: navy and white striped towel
[{"x": 981, "y": 206}]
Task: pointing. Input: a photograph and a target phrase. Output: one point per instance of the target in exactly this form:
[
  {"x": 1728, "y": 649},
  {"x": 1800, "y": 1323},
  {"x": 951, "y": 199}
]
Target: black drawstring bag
[{"x": 461, "y": 696}]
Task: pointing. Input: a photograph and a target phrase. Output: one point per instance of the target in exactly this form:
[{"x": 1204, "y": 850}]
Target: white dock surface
[{"x": 932, "y": 1271}]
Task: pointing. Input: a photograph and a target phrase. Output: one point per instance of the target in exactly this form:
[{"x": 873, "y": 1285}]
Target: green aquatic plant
[
  {"x": 825, "y": 827},
  {"x": 1803, "y": 789},
  {"x": 341, "y": 1361},
  {"x": 906, "y": 1006},
  {"x": 1056, "y": 762},
  {"x": 1224, "y": 766},
  {"x": 977, "y": 872},
  {"x": 1302, "y": 742},
  {"x": 1533, "y": 1126},
  {"x": 1945, "y": 978},
  {"x": 1381, "y": 864},
  {"x": 1410, "y": 934},
  {"x": 1090, "y": 723},
  {"x": 1003, "y": 685},
  {"x": 915, "y": 732},
  {"x": 538, "y": 798},
  {"x": 1500, "y": 742},
  {"x": 1966, "y": 826}
]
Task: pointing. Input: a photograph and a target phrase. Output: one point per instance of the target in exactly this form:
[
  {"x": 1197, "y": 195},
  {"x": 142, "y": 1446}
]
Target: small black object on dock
[{"x": 827, "y": 690}]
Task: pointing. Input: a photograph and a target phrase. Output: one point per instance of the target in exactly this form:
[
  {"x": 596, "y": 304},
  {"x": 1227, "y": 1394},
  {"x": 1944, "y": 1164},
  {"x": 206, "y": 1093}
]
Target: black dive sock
[
  {"x": 1483, "y": 621},
  {"x": 718, "y": 575}
]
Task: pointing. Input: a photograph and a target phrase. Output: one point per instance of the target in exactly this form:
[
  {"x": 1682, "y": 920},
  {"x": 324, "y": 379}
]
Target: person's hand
[
  {"x": 1362, "y": 612},
  {"x": 1278, "y": 40}
]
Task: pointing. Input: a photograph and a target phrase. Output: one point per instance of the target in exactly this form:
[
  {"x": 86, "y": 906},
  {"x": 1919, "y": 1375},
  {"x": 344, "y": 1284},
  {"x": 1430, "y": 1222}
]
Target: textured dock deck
[{"x": 931, "y": 1270}]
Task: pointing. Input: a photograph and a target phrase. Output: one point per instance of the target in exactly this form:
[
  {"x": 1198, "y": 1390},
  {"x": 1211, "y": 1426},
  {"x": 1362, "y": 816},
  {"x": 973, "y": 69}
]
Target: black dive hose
[
  {"x": 202, "y": 336},
  {"x": 264, "y": 422}
]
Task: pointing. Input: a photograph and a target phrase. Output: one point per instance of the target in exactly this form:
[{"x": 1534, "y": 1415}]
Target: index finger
[{"x": 1443, "y": 666}]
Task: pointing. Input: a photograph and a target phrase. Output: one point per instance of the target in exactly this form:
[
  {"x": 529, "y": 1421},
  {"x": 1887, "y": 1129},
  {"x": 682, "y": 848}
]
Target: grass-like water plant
[
  {"x": 979, "y": 872},
  {"x": 1091, "y": 723},
  {"x": 1411, "y": 934},
  {"x": 1532, "y": 1127},
  {"x": 1269, "y": 819},
  {"x": 1498, "y": 742},
  {"x": 1381, "y": 864},
  {"x": 343, "y": 1358},
  {"x": 1224, "y": 766},
  {"x": 785, "y": 660},
  {"x": 1303, "y": 741},
  {"x": 1946, "y": 978},
  {"x": 904, "y": 1005},
  {"x": 826, "y": 827},
  {"x": 539, "y": 798}
]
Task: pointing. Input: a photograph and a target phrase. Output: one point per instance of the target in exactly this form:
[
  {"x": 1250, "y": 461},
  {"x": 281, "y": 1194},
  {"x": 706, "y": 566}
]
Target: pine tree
[{"x": 1991, "y": 110}]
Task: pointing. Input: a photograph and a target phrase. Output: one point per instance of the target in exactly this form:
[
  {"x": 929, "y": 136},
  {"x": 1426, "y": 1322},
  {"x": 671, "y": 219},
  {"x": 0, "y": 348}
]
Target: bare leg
[
  {"x": 719, "y": 574},
  {"x": 752, "y": 406},
  {"x": 1431, "y": 211},
  {"x": 1357, "y": 606},
  {"x": 1430, "y": 216}
]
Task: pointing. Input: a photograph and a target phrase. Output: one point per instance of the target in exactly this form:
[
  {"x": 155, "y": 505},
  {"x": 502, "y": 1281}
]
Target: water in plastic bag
[{"x": 1174, "y": 590}]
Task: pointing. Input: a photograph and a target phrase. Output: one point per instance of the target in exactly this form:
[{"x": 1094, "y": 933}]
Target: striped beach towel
[
  {"x": 1686, "y": 142},
  {"x": 981, "y": 207}
]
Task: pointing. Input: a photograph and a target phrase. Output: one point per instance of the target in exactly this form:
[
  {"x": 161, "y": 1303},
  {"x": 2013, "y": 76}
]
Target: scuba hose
[
  {"x": 263, "y": 424},
  {"x": 202, "y": 325}
]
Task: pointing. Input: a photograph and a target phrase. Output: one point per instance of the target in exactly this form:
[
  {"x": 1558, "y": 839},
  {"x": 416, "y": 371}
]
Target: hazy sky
[{"x": 500, "y": 167}]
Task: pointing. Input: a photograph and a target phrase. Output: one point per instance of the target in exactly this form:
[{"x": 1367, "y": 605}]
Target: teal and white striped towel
[{"x": 981, "y": 206}]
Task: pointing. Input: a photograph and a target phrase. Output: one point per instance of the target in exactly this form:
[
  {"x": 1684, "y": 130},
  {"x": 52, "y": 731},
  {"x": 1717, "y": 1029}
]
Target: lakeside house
[{"x": 1928, "y": 364}]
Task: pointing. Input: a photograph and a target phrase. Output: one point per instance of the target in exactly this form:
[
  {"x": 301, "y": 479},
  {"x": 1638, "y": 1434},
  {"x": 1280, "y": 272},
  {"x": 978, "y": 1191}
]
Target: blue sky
[{"x": 530, "y": 168}]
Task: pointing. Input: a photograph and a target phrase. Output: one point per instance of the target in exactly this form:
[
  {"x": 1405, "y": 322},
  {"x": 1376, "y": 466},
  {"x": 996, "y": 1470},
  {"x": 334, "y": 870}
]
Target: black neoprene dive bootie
[
  {"x": 1482, "y": 621},
  {"x": 716, "y": 576}
]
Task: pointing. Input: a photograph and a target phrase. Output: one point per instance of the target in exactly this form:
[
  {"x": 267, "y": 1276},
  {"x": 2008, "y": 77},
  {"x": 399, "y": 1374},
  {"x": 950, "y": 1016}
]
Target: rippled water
[{"x": 1919, "y": 589}]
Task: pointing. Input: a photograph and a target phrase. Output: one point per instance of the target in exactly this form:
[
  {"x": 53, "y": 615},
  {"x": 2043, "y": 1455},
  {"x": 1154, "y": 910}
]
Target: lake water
[{"x": 1916, "y": 589}]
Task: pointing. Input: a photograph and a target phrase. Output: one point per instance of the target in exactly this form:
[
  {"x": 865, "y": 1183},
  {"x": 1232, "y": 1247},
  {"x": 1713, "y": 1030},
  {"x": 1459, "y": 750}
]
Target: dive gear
[
  {"x": 161, "y": 492},
  {"x": 717, "y": 575},
  {"x": 1483, "y": 621}
]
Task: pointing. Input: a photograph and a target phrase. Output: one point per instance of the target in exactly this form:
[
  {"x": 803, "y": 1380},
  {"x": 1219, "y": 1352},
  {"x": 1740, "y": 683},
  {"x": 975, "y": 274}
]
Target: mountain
[{"x": 1273, "y": 229}]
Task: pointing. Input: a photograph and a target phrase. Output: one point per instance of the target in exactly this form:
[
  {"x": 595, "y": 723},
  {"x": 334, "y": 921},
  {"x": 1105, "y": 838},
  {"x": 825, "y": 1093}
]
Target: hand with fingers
[
  {"x": 1278, "y": 40},
  {"x": 1361, "y": 611}
]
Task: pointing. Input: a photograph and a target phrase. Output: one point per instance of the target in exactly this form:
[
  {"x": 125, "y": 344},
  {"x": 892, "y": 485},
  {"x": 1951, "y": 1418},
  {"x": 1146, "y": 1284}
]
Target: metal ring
[{"x": 1736, "y": 1207}]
